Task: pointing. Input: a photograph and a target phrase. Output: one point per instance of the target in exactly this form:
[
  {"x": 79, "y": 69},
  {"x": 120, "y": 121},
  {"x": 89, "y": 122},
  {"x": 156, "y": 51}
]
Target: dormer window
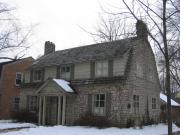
[
  {"x": 38, "y": 75},
  {"x": 19, "y": 77},
  {"x": 101, "y": 68},
  {"x": 65, "y": 72}
]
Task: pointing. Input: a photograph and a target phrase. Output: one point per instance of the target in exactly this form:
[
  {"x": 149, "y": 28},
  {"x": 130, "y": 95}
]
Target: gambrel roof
[{"x": 100, "y": 51}]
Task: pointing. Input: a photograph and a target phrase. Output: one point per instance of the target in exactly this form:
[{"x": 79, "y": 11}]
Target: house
[
  {"x": 176, "y": 96},
  {"x": 11, "y": 76},
  {"x": 175, "y": 109},
  {"x": 115, "y": 80}
]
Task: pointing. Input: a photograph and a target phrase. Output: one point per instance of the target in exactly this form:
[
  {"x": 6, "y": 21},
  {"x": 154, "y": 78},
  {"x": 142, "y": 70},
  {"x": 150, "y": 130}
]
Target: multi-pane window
[
  {"x": 37, "y": 75},
  {"x": 32, "y": 103},
  {"x": 99, "y": 104},
  {"x": 153, "y": 103},
  {"x": 101, "y": 68},
  {"x": 65, "y": 72},
  {"x": 136, "y": 103},
  {"x": 16, "y": 103},
  {"x": 18, "y": 80}
]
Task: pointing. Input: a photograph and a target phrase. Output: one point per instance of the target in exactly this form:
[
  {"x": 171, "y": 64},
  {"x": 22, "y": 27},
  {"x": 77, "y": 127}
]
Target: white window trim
[
  {"x": 69, "y": 73},
  {"x": 102, "y": 75},
  {"x": 21, "y": 78},
  {"x": 35, "y": 74},
  {"x": 94, "y": 103}
]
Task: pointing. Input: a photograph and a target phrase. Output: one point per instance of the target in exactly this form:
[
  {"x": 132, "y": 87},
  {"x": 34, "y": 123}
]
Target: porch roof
[
  {"x": 55, "y": 86},
  {"x": 64, "y": 84}
]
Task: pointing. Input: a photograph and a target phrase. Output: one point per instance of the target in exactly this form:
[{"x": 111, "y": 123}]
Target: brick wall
[{"x": 8, "y": 88}]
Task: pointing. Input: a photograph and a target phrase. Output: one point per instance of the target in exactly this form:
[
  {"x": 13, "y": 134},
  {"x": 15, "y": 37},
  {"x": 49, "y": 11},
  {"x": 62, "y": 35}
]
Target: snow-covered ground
[
  {"x": 160, "y": 129},
  {"x": 6, "y": 124}
]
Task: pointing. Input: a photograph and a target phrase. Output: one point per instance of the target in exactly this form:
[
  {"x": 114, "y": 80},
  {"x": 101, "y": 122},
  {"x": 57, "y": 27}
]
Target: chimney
[
  {"x": 141, "y": 30},
  {"x": 49, "y": 47}
]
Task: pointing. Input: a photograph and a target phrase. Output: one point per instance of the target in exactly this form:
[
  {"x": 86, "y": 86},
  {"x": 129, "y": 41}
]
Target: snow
[
  {"x": 6, "y": 124},
  {"x": 76, "y": 130},
  {"x": 64, "y": 84},
  {"x": 164, "y": 98}
]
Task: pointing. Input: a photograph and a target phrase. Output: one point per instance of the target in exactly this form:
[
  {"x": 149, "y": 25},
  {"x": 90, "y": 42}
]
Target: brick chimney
[
  {"x": 49, "y": 47},
  {"x": 141, "y": 30}
]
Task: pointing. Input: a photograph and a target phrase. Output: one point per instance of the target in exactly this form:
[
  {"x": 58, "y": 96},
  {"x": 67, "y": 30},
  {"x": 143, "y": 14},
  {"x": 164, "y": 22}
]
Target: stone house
[
  {"x": 116, "y": 80},
  {"x": 11, "y": 76}
]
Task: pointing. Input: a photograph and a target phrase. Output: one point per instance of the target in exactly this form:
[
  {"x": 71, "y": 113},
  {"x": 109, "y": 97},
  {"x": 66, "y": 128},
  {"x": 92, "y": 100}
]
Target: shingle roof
[{"x": 86, "y": 53}]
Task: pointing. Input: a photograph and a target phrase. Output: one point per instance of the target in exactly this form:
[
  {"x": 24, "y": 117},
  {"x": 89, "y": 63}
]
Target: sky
[{"x": 59, "y": 21}]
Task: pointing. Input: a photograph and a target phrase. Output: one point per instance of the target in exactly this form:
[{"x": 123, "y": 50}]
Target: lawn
[{"x": 159, "y": 129}]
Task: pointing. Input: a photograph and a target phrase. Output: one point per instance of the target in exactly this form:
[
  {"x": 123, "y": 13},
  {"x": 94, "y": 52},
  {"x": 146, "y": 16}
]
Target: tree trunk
[{"x": 167, "y": 70}]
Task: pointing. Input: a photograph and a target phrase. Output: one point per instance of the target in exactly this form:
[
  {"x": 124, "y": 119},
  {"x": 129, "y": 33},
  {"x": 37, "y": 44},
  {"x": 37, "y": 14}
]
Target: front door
[{"x": 51, "y": 110}]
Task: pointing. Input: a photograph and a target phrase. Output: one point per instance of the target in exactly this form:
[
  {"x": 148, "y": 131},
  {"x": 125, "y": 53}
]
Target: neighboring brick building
[
  {"x": 11, "y": 77},
  {"x": 117, "y": 81}
]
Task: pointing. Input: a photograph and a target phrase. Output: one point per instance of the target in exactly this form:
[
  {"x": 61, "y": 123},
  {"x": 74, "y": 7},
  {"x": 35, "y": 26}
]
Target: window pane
[
  {"x": 102, "y": 97},
  {"x": 97, "y": 104},
  {"x": 101, "y": 103},
  {"x": 97, "y": 97}
]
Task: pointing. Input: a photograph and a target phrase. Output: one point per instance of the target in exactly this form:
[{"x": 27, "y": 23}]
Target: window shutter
[
  {"x": 31, "y": 76},
  {"x": 108, "y": 104},
  {"x": 92, "y": 65},
  {"x": 27, "y": 103},
  {"x": 110, "y": 68},
  {"x": 72, "y": 72},
  {"x": 43, "y": 72},
  {"x": 90, "y": 103},
  {"x": 58, "y": 72}
]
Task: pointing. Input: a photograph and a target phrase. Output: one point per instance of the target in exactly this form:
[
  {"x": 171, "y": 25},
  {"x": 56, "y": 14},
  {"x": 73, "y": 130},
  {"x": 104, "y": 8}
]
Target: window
[
  {"x": 136, "y": 103},
  {"x": 32, "y": 103},
  {"x": 99, "y": 104},
  {"x": 16, "y": 103},
  {"x": 37, "y": 75},
  {"x": 65, "y": 72},
  {"x": 101, "y": 69},
  {"x": 139, "y": 70},
  {"x": 153, "y": 103},
  {"x": 18, "y": 80}
]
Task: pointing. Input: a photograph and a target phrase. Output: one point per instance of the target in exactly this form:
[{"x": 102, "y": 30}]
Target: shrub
[
  {"x": 130, "y": 123},
  {"x": 89, "y": 119},
  {"x": 25, "y": 116}
]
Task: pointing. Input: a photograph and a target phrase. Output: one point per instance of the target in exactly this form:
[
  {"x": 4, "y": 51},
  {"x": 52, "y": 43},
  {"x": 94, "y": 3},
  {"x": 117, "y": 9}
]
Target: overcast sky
[{"x": 58, "y": 21}]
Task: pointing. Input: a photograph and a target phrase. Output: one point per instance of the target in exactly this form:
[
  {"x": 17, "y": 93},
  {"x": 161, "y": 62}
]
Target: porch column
[
  {"x": 44, "y": 111},
  {"x": 40, "y": 111},
  {"x": 64, "y": 110},
  {"x": 59, "y": 111}
]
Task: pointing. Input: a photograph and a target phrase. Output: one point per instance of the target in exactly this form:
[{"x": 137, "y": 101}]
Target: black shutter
[
  {"x": 31, "y": 76},
  {"x": 110, "y": 68},
  {"x": 92, "y": 66},
  {"x": 108, "y": 104},
  {"x": 58, "y": 72},
  {"x": 72, "y": 72},
  {"x": 90, "y": 103}
]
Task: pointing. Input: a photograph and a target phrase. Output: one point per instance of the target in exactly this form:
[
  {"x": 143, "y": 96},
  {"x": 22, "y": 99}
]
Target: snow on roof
[
  {"x": 64, "y": 84},
  {"x": 164, "y": 98}
]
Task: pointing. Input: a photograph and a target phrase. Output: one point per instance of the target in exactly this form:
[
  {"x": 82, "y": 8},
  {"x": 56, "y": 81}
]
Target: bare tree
[
  {"x": 13, "y": 36},
  {"x": 159, "y": 20}
]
